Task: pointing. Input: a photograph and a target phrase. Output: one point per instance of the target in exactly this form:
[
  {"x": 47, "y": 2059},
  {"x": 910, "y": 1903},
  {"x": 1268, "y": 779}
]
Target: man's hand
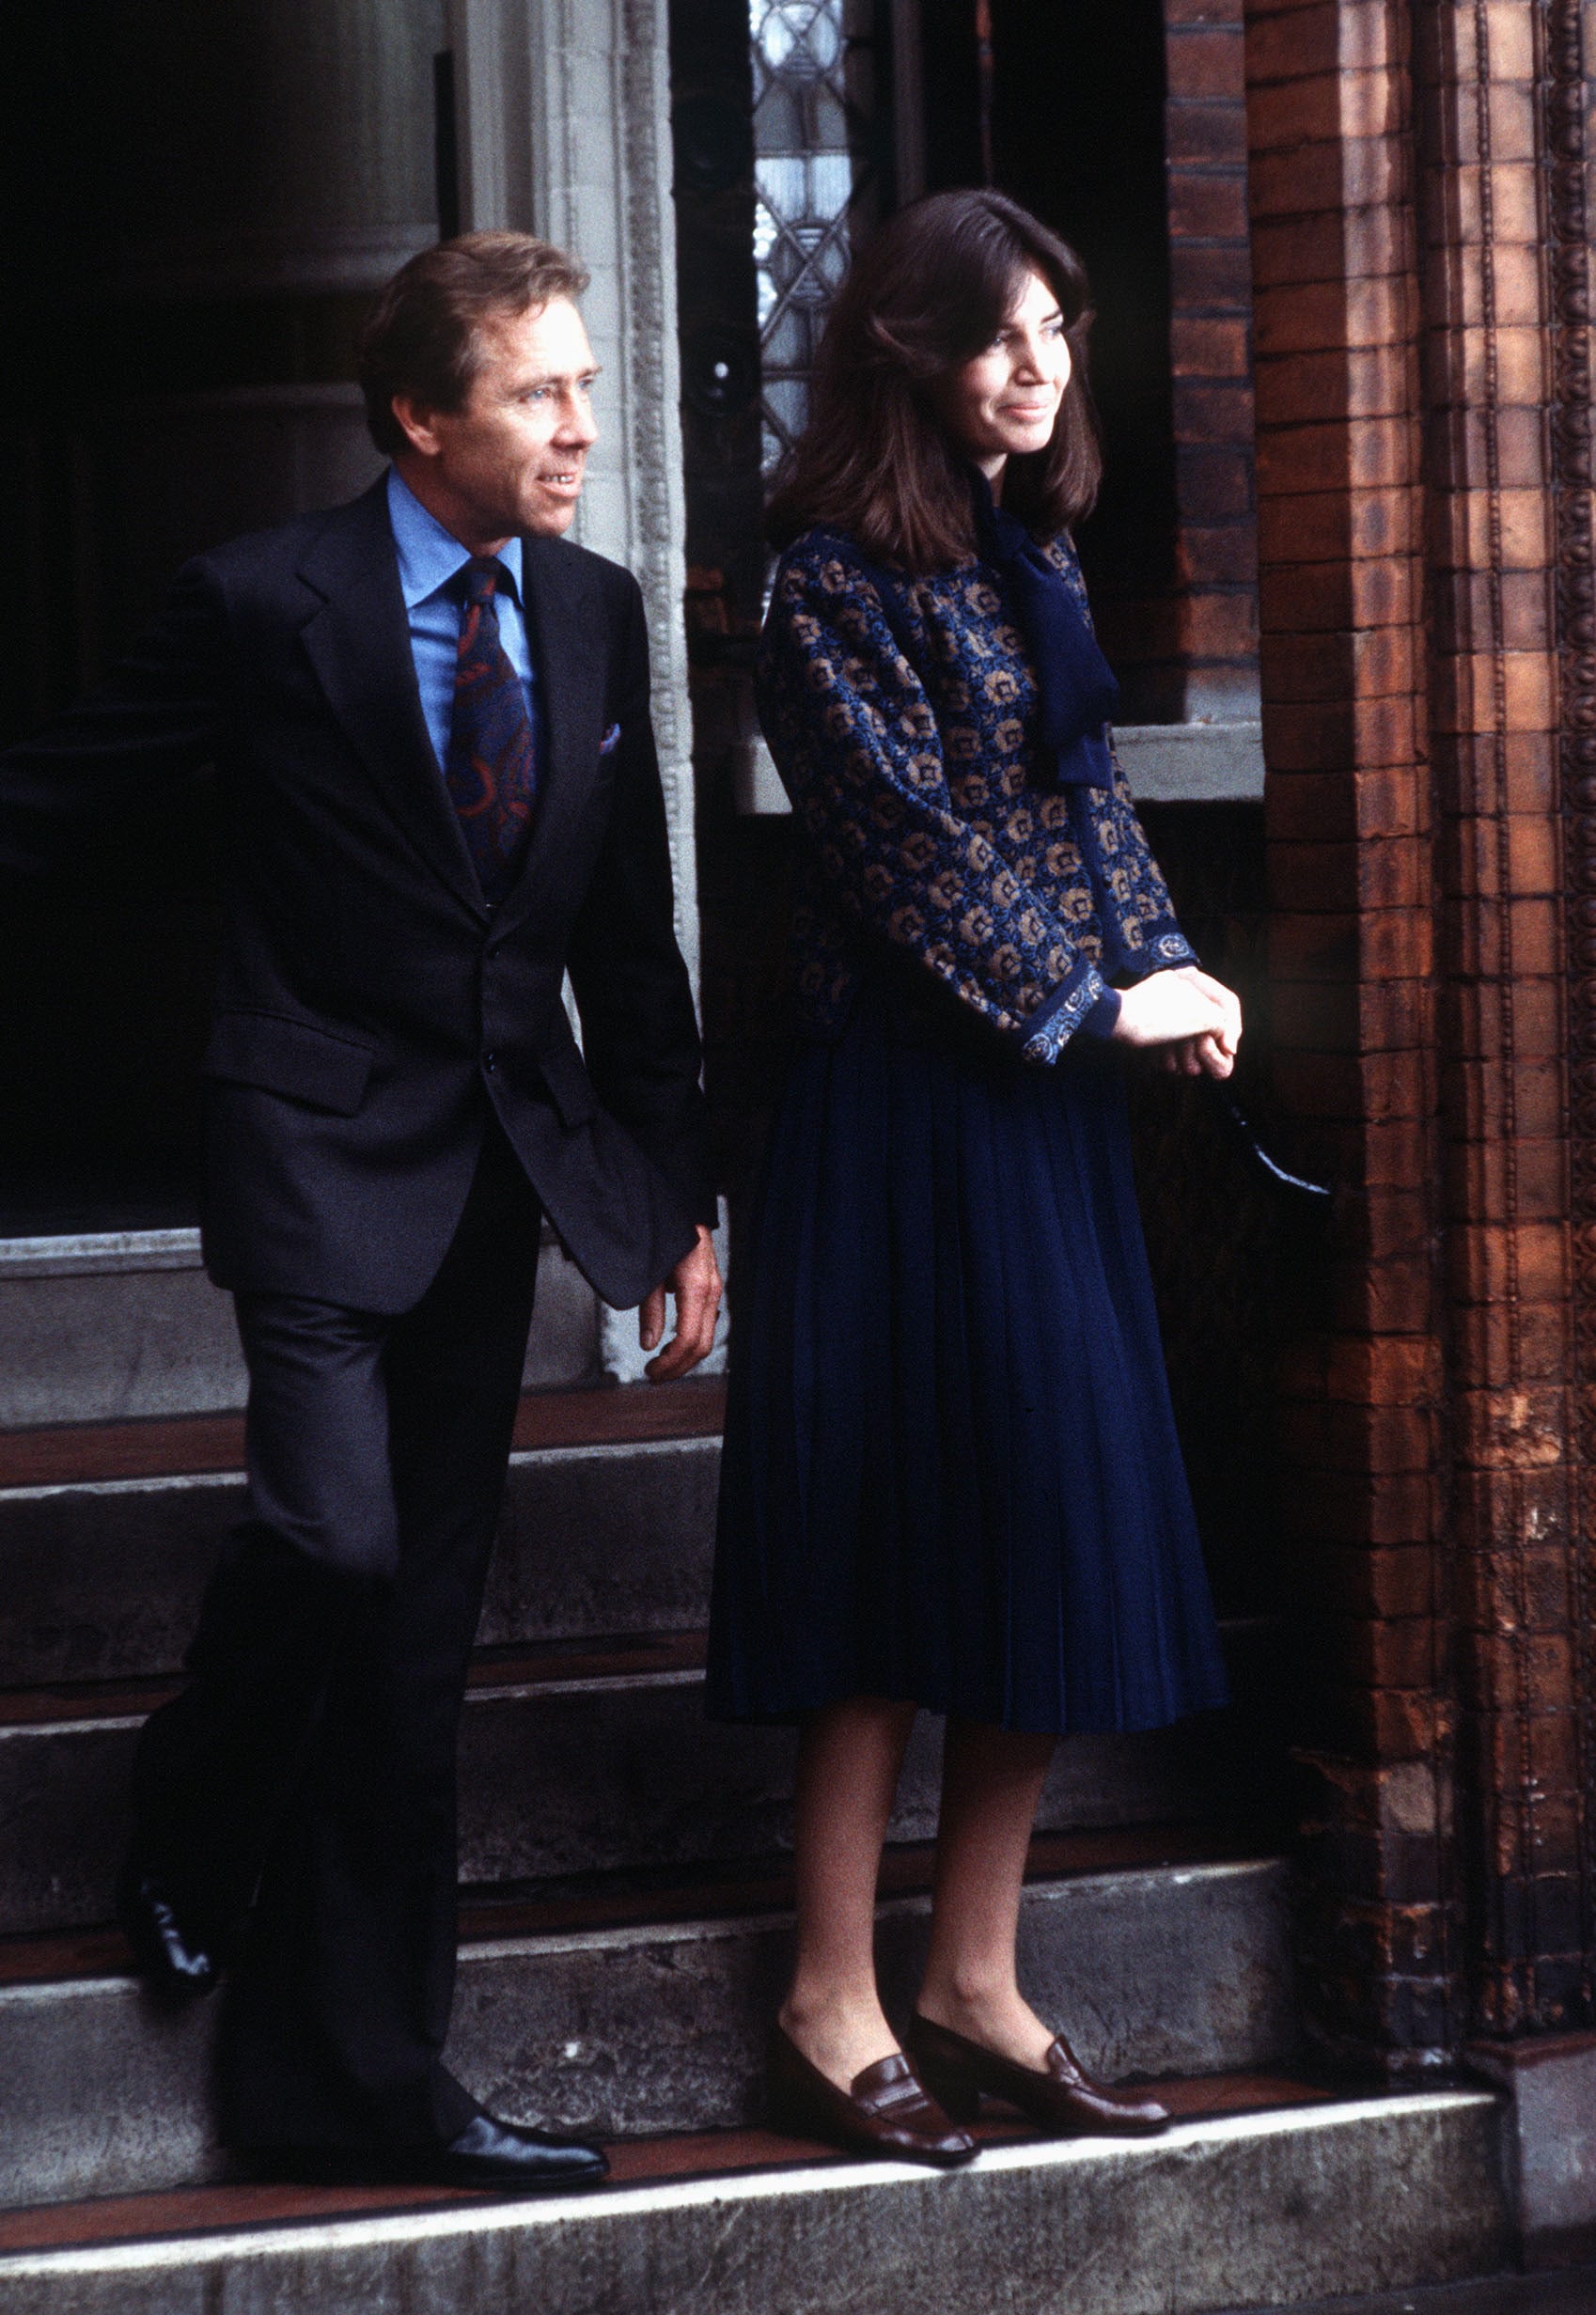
[
  {"x": 1195, "y": 1018},
  {"x": 695, "y": 1284}
]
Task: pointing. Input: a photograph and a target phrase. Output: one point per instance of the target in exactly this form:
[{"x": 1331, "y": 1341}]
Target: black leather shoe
[
  {"x": 488, "y": 2152},
  {"x": 501, "y": 2156},
  {"x": 171, "y": 1963}
]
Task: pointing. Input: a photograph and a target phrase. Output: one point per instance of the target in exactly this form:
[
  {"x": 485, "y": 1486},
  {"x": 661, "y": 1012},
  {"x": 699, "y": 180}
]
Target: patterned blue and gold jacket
[{"x": 898, "y": 711}]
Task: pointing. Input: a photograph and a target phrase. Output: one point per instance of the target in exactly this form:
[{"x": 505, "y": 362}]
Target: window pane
[{"x": 813, "y": 97}]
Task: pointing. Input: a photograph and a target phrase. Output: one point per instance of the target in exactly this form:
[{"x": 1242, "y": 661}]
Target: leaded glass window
[{"x": 813, "y": 180}]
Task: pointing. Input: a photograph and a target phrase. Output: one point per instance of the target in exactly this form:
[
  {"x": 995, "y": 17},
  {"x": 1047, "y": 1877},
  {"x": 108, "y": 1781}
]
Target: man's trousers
[{"x": 298, "y": 1798}]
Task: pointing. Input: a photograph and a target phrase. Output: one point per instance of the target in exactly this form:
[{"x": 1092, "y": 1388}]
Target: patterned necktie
[{"x": 491, "y": 770}]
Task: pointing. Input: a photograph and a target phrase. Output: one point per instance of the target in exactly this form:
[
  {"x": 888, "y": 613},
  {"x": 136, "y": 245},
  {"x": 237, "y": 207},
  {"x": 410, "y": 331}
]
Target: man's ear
[{"x": 415, "y": 419}]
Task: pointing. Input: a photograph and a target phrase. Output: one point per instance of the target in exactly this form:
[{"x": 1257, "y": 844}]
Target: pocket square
[{"x": 611, "y": 741}]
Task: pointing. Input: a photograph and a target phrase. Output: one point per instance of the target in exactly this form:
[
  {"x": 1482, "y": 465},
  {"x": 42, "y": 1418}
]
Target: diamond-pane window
[{"x": 811, "y": 176}]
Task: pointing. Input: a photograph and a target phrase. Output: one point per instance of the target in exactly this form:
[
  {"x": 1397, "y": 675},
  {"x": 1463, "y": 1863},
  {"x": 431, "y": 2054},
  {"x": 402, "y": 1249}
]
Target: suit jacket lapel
[
  {"x": 358, "y": 643},
  {"x": 563, "y": 615}
]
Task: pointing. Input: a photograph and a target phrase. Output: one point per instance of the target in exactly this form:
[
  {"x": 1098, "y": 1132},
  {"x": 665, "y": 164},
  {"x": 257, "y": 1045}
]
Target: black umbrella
[{"x": 1241, "y": 1125}]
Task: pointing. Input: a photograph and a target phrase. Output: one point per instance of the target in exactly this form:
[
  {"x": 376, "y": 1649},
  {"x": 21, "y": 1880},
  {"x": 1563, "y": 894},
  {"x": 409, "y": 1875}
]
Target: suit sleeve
[
  {"x": 159, "y": 716},
  {"x": 639, "y": 1032},
  {"x": 856, "y": 743}
]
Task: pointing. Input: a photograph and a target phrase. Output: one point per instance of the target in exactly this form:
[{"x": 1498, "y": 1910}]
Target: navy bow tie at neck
[{"x": 1076, "y": 692}]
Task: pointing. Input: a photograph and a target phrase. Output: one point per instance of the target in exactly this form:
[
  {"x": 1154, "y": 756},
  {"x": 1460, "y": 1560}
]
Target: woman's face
[{"x": 1005, "y": 401}]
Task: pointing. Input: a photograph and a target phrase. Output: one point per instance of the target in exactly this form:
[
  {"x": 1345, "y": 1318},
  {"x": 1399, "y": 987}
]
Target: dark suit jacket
[{"x": 370, "y": 1009}]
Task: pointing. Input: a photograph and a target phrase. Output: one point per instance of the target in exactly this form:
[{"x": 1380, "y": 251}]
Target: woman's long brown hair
[{"x": 930, "y": 289}]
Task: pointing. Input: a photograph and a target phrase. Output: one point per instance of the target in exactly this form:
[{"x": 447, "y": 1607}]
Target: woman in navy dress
[{"x": 951, "y": 1479}]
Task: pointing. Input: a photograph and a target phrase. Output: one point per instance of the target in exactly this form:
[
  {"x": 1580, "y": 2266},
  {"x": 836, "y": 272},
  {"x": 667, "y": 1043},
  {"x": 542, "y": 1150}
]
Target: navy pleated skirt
[{"x": 950, "y": 1473}]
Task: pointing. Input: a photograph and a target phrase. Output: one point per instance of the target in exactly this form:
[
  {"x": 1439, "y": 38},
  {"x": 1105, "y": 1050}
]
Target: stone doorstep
[
  {"x": 1179, "y": 1970},
  {"x": 582, "y": 1761},
  {"x": 1243, "y": 2210}
]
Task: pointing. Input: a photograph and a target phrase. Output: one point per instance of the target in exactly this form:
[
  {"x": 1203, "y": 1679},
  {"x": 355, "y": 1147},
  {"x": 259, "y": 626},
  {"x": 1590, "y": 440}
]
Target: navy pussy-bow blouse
[{"x": 1076, "y": 691}]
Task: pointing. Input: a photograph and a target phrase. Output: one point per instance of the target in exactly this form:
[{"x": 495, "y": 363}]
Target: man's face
[{"x": 513, "y": 456}]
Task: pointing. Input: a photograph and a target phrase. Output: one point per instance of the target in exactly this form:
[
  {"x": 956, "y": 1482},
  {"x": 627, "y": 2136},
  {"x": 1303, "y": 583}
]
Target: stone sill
[{"x": 1165, "y": 763}]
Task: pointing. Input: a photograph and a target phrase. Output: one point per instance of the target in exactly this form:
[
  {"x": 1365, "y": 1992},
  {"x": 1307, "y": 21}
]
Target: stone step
[
  {"x": 101, "y": 1579},
  {"x": 108, "y": 1532},
  {"x": 104, "y": 1326},
  {"x": 173, "y": 1447},
  {"x": 1274, "y": 2195},
  {"x": 622, "y": 2026},
  {"x": 574, "y": 1761}
]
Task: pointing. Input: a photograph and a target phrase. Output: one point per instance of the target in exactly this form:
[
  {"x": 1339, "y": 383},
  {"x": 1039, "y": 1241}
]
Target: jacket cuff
[
  {"x": 1049, "y": 1029},
  {"x": 1162, "y": 952},
  {"x": 1104, "y": 1013}
]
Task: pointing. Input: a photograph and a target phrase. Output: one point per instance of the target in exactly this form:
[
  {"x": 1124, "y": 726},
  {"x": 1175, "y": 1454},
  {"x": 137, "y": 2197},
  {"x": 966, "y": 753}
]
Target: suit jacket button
[{"x": 490, "y": 1062}]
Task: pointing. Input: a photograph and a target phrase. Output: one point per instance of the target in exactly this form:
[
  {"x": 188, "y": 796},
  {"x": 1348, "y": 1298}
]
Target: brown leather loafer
[
  {"x": 1065, "y": 2099},
  {"x": 883, "y": 2111}
]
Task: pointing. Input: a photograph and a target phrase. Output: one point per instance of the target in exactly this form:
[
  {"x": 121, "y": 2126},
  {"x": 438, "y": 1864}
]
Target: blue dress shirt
[{"x": 429, "y": 557}]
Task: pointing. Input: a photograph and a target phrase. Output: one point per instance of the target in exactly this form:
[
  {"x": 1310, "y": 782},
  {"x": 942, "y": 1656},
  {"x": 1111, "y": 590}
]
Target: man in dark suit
[{"x": 430, "y": 718}]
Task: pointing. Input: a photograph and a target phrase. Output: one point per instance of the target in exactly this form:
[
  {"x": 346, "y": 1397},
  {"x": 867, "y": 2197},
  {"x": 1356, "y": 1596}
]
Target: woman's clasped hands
[{"x": 1194, "y": 1018}]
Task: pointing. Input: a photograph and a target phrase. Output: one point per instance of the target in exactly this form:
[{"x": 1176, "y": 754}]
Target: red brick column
[
  {"x": 1338, "y": 326},
  {"x": 1428, "y": 607},
  {"x": 1566, "y": 66},
  {"x": 1210, "y": 340}
]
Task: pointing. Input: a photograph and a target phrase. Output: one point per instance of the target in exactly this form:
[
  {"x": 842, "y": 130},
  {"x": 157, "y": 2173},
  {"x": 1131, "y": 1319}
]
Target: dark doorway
[{"x": 190, "y": 219}]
